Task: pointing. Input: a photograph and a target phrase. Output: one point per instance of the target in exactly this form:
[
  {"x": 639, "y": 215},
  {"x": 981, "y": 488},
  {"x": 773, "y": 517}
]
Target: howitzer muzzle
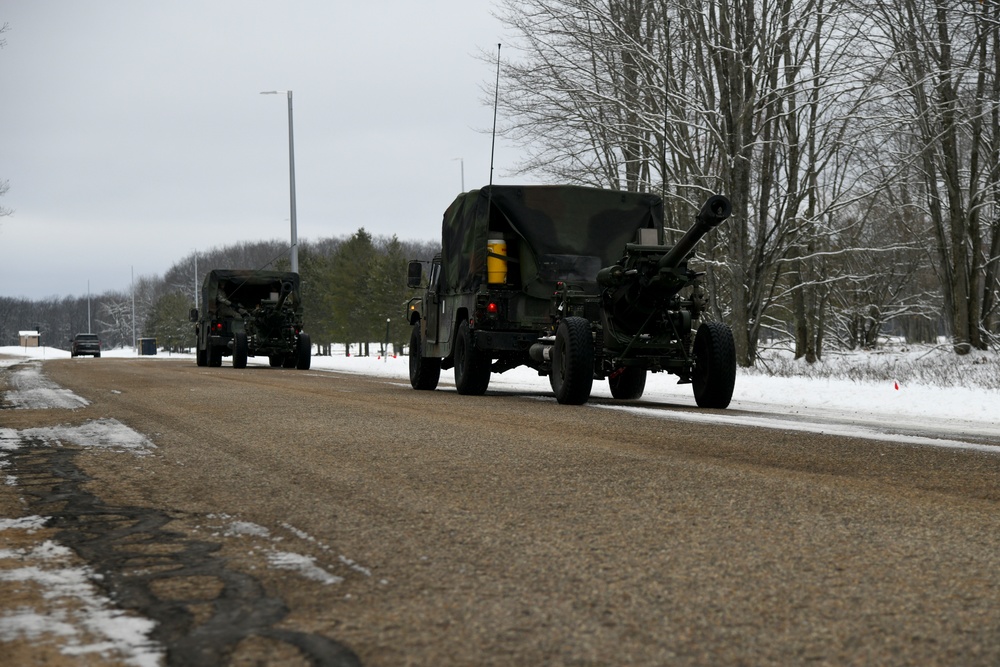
[
  {"x": 286, "y": 290},
  {"x": 715, "y": 210}
]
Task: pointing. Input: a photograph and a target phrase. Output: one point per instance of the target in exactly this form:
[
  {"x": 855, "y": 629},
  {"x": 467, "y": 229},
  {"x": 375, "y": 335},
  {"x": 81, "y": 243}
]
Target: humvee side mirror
[
  {"x": 193, "y": 315},
  {"x": 414, "y": 273}
]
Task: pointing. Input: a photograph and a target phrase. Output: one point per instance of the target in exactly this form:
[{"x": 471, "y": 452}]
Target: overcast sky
[{"x": 132, "y": 132}]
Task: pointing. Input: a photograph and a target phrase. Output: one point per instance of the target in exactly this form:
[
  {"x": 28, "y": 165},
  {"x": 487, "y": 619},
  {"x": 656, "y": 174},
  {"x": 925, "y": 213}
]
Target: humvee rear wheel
[
  {"x": 303, "y": 352},
  {"x": 628, "y": 382},
  {"x": 424, "y": 371},
  {"x": 240, "y": 350},
  {"x": 714, "y": 374},
  {"x": 275, "y": 360},
  {"x": 201, "y": 356},
  {"x": 572, "y": 375},
  {"x": 288, "y": 361},
  {"x": 213, "y": 355},
  {"x": 472, "y": 366}
]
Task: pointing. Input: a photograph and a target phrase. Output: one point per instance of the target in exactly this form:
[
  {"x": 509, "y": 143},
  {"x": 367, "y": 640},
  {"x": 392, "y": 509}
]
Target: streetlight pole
[
  {"x": 462, "y": 160},
  {"x": 291, "y": 178}
]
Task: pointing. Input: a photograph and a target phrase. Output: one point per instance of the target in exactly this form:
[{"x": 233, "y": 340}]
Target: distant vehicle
[
  {"x": 249, "y": 313},
  {"x": 85, "y": 344},
  {"x": 577, "y": 283}
]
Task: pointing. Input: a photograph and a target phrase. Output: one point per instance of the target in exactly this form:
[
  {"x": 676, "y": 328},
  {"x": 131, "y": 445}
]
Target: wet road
[{"x": 285, "y": 516}]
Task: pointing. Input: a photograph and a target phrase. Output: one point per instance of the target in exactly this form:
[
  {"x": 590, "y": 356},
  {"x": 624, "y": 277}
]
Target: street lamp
[{"x": 291, "y": 177}]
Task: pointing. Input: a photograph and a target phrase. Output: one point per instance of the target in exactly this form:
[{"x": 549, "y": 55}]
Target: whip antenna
[{"x": 496, "y": 99}]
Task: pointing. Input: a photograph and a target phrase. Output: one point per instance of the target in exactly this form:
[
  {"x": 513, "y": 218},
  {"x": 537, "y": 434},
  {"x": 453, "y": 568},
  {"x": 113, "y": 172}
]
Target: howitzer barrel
[
  {"x": 715, "y": 210},
  {"x": 286, "y": 290}
]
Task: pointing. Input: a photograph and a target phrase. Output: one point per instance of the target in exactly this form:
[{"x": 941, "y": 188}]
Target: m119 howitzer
[
  {"x": 574, "y": 282},
  {"x": 251, "y": 313},
  {"x": 645, "y": 322}
]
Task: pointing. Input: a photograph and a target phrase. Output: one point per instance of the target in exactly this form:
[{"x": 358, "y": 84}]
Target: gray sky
[{"x": 132, "y": 132}]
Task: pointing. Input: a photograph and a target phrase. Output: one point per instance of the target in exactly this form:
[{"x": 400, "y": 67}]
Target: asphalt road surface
[{"x": 299, "y": 517}]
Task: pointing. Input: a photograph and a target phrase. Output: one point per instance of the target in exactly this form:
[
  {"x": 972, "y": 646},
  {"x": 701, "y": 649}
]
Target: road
[{"x": 298, "y": 517}]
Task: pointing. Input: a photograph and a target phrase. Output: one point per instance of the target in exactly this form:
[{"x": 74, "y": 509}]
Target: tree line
[
  {"x": 353, "y": 291},
  {"x": 859, "y": 141}
]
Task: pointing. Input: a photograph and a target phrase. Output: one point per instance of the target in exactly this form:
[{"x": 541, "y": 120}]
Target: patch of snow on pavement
[
  {"x": 304, "y": 565},
  {"x": 84, "y": 621},
  {"x": 32, "y": 390},
  {"x": 97, "y": 433},
  {"x": 28, "y": 523}
]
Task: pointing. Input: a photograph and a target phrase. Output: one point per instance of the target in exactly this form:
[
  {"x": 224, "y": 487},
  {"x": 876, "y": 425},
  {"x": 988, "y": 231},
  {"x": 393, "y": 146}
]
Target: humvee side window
[{"x": 435, "y": 274}]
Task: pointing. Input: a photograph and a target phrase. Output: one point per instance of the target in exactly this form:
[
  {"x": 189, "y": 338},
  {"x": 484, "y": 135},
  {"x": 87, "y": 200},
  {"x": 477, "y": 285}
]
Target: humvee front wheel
[
  {"x": 628, "y": 382},
  {"x": 424, "y": 371},
  {"x": 303, "y": 352},
  {"x": 240, "y": 350},
  {"x": 714, "y": 375},
  {"x": 472, "y": 365},
  {"x": 572, "y": 375}
]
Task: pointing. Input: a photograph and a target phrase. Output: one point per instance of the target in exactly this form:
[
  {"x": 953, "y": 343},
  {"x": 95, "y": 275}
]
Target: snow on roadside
[
  {"x": 59, "y": 602},
  {"x": 32, "y": 390}
]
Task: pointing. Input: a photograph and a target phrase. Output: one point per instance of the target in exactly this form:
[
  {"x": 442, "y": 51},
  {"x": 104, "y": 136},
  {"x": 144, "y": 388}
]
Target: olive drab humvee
[
  {"x": 251, "y": 313},
  {"x": 574, "y": 282}
]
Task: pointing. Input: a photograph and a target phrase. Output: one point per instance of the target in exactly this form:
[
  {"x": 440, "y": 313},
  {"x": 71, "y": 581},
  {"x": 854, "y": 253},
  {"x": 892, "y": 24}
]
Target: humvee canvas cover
[{"x": 554, "y": 233}]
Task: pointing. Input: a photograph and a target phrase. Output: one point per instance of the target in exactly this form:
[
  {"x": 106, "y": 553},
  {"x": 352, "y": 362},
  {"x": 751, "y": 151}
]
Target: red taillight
[
  {"x": 492, "y": 308},
  {"x": 217, "y": 326}
]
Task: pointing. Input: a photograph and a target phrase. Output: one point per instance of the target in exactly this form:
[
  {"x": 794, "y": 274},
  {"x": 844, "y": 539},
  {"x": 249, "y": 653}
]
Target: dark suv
[{"x": 85, "y": 344}]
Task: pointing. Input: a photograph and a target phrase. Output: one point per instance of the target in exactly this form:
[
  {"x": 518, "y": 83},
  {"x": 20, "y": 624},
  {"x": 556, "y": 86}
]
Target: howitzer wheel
[
  {"x": 628, "y": 382},
  {"x": 714, "y": 374},
  {"x": 424, "y": 371},
  {"x": 472, "y": 365},
  {"x": 303, "y": 352},
  {"x": 240, "y": 350},
  {"x": 572, "y": 375}
]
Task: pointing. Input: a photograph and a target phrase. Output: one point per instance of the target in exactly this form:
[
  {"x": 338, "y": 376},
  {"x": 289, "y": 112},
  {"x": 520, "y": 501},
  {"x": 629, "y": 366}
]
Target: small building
[{"x": 28, "y": 338}]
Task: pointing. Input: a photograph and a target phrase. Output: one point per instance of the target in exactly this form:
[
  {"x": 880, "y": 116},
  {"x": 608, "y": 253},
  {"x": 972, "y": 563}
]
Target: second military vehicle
[
  {"x": 575, "y": 282},
  {"x": 251, "y": 313}
]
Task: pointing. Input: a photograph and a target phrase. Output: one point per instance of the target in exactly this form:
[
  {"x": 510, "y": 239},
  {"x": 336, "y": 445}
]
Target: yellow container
[{"x": 496, "y": 267}]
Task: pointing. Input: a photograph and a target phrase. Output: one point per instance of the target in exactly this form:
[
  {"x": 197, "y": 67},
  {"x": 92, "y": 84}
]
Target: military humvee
[
  {"x": 250, "y": 313},
  {"x": 574, "y": 282}
]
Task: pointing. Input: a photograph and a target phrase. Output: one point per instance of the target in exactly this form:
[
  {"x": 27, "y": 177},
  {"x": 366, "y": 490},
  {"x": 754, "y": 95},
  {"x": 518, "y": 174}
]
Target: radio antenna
[{"x": 496, "y": 99}]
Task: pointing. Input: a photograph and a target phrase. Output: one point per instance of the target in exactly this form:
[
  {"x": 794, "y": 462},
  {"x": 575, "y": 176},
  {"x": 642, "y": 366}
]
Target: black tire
[
  {"x": 303, "y": 352},
  {"x": 97, "y": 356},
  {"x": 424, "y": 371},
  {"x": 240, "y": 350},
  {"x": 714, "y": 375},
  {"x": 572, "y": 375},
  {"x": 472, "y": 365},
  {"x": 275, "y": 360},
  {"x": 628, "y": 383},
  {"x": 288, "y": 361},
  {"x": 201, "y": 356},
  {"x": 213, "y": 355}
]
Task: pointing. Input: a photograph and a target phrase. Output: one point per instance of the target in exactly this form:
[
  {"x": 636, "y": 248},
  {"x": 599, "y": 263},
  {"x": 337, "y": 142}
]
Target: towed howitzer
[{"x": 647, "y": 278}]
